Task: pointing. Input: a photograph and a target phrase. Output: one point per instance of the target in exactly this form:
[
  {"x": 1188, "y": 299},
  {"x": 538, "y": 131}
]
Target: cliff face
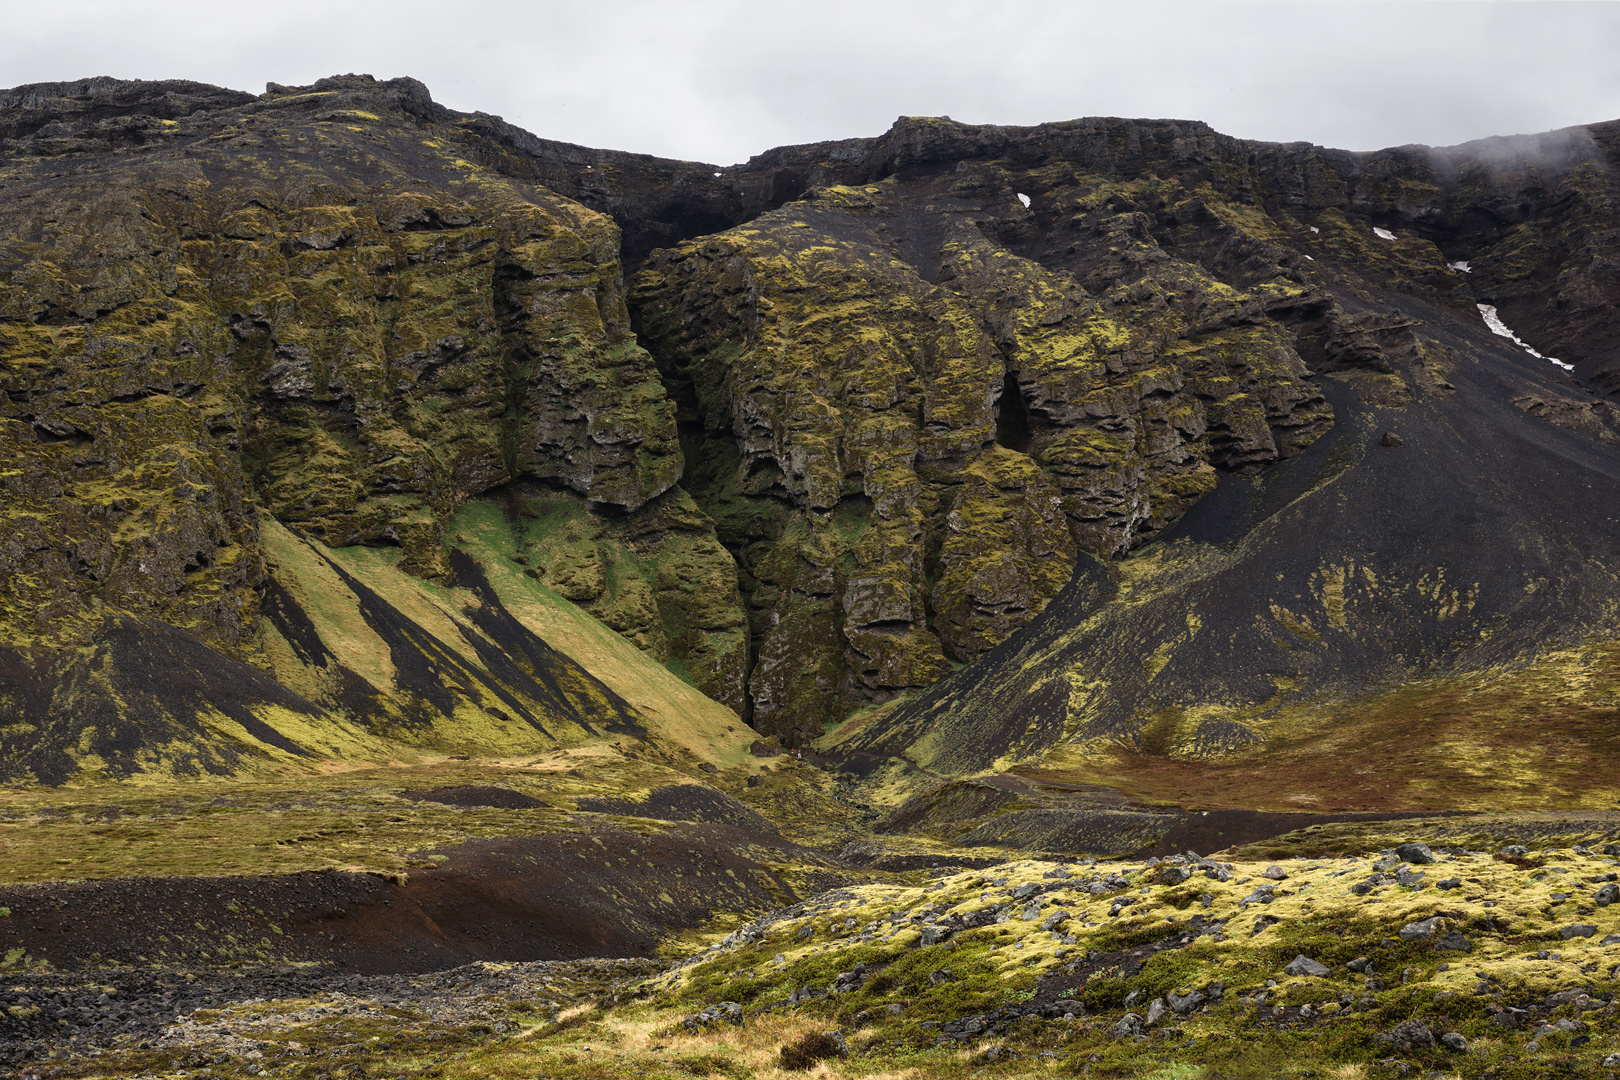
[
  {"x": 910, "y": 430},
  {"x": 1093, "y": 408},
  {"x": 309, "y": 305}
]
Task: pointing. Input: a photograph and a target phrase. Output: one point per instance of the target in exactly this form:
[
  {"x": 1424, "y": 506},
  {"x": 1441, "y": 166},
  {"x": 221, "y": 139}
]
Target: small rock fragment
[{"x": 1423, "y": 930}]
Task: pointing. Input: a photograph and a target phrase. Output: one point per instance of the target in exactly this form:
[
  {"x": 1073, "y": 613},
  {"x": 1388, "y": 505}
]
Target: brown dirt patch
[{"x": 605, "y": 892}]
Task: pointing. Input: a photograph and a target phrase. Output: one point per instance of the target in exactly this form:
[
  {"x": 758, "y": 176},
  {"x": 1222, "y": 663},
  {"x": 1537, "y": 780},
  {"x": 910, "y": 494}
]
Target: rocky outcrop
[
  {"x": 307, "y": 304},
  {"x": 909, "y": 432}
]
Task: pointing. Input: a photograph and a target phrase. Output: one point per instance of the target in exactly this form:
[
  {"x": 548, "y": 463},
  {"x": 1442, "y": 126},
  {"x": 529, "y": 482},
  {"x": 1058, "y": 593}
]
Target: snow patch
[
  {"x": 717, "y": 175},
  {"x": 1308, "y": 257},
  {"x": 1383, "y": 234},
  {"x": 1313, "y": 228},
  {"x": 1462, "y": 265},
  {"x": 1023, "y": 199},
  {"x": 1494, "y": 321}
]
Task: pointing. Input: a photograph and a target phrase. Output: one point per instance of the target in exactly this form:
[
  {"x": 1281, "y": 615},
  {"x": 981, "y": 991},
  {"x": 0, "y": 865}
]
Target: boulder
[
  {"x": 1415, "y": 853},
  {"x": 1409, "y": 1035},
  {"x": 1304, "y": 965}
]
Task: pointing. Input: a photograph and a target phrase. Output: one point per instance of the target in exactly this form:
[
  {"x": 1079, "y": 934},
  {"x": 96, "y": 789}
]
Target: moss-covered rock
[
  {"x": 910, "y": 431},
  {"x": 311, "y": 303}
]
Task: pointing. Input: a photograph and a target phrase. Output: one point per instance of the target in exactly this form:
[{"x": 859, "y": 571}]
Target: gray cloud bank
[{"x": 719, "y": 80}]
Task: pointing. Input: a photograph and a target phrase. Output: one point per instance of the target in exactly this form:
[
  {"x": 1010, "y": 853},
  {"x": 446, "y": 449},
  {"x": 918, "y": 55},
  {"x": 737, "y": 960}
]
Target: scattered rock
[
  {"x": 1361, "y": 964},
  {"x": 1449, "y": 883},
  {"x": 1182, "y": 1003},
  {"x": 1262, "y": 894},
  {"x": 1607, "y": 894},
  {"x": 1409, "y": 1035},
  {"x": 1413, "y": 853},
  {"x": 1392, "y": 439},
  {"x": 1409, "y": 879},
  {"x": 1454, "y": 1041},
  {"x": 933, "y": 934},
  {"x": 726, "y": 1012},
  {"x": 1454, "y": 942},
  {"x": 1130, "y": 1024},
  {"x": 1576, "y": 930},
  {"x": 1275, "y": 873},
  {"x": 1423, "y": 930},
  {"x": 1156, "y": 1011},
  {"x": 1304, "y": 965}
]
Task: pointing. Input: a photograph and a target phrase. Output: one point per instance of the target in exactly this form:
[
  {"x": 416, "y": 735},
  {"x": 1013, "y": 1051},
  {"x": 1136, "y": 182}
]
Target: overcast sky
[{"x": 718, "y": 80}]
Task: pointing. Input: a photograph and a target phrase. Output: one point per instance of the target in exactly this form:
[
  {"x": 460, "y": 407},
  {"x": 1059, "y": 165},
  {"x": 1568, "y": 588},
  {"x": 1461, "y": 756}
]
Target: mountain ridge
[{"x": 1034, "y": 349}]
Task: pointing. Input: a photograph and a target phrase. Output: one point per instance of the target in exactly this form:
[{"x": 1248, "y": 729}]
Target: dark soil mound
[
  {"x": 684, "y": 802},
  {"x": 608, "y": 892}
]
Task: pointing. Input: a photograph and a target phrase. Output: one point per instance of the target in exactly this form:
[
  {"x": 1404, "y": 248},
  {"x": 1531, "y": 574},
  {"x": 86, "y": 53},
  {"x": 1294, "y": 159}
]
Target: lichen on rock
[{"x": 922, "y": 429}]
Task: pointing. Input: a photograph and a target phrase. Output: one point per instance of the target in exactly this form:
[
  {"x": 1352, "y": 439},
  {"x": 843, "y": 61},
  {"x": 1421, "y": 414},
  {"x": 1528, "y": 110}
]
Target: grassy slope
[{"x": 677, "y": 712}]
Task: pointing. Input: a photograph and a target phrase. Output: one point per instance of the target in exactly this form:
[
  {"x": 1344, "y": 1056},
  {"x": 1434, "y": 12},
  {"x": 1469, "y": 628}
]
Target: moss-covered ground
[
  {"x": 1030, "y": 969},
  {"x": 368, "y": 818}
]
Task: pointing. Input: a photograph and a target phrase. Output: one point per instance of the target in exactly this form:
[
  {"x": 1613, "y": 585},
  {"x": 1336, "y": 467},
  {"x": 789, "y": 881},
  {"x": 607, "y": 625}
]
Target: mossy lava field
[{"x": 1098, "y": 599}]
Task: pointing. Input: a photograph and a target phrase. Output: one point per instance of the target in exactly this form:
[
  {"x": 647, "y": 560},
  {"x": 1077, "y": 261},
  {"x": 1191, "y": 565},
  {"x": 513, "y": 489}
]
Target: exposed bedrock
[
  {"x": 309, "y": 304},
  {"x": 907, "y": 433}
]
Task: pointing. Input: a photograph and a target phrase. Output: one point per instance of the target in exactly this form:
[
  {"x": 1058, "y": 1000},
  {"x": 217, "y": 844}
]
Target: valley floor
[{"x": 1331, "y": 952}]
